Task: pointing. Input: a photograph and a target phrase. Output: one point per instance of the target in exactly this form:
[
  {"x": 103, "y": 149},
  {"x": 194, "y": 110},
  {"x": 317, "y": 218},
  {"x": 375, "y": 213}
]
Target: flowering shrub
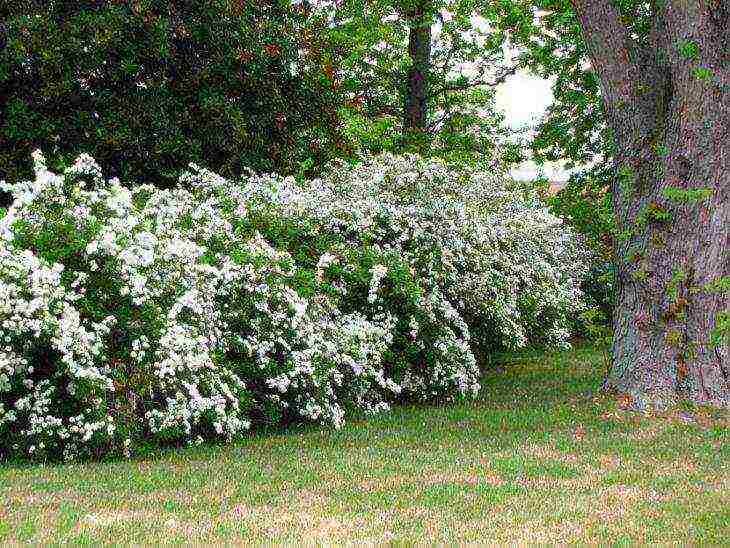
[
  {"x": 493, "y": 256},
  {"x": 159, "y": 316}
]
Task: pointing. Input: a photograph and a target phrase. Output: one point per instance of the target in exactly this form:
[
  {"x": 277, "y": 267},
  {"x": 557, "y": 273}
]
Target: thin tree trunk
[
  {"x": 669, "y": 109},
  {"x": 416, "y": 98}
]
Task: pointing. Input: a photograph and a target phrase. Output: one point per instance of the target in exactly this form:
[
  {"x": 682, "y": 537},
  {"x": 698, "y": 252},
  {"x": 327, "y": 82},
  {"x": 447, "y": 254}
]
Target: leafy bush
[
  {"x": 148, "y": 316},
  {"x": 492, "y": 252},
  {"x": 586, "y": 206}
]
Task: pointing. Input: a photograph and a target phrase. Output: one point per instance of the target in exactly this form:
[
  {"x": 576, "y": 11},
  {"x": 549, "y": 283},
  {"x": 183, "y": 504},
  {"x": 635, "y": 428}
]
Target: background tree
[
  {"x": 147, "y": 86},
  {"x": 421, "y": 75},
  {"x": 664, "y": 83},
  {"x": 417, "y": 79}
]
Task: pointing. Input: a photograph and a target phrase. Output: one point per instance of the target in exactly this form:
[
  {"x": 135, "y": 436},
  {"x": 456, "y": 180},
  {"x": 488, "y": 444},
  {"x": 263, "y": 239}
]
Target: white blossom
[{"x": 177, "y": 316}]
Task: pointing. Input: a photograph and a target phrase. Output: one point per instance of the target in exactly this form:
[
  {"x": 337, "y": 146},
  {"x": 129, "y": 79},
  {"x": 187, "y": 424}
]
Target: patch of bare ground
[
  {"x": 460, "y": 478},
  {"x": 379, "y": 483},
  {"x": 538, "y": 532},
  {"x": 543, "y": 482},
  {"x": 303, "y": 515},
  {"x": 546, "y": 452}
]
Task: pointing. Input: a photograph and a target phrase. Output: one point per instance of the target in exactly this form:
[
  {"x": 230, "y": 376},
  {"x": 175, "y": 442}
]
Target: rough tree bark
[
  {"x": 419, "y": 50},
  {"x": 667, "y": 101}
]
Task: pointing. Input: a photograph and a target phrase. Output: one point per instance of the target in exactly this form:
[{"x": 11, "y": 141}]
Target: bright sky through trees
[{"x": 524, "y": 98}]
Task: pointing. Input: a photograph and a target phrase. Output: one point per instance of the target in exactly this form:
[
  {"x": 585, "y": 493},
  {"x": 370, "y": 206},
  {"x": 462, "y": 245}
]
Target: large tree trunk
[
  {"x": 669, "y": 108},
  {"x": 416, "y": 98}
]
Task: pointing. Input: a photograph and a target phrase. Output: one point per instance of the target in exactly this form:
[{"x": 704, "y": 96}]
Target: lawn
[{"x": 539, "y": 458}]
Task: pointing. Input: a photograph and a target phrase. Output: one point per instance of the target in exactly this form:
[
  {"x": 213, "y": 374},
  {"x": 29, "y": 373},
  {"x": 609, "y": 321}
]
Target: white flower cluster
[
  {"x": 379, "y": 272},
  {"x": 495, "y": 269},
  {"x": 203, "y": 311}
]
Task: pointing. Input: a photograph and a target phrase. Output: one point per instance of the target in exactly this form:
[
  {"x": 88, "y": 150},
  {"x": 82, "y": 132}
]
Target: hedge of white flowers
[{"x": 131, "y": 318}]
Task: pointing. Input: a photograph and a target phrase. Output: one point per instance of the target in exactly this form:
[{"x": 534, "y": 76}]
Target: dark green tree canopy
[{"x": 147, "y": 86}]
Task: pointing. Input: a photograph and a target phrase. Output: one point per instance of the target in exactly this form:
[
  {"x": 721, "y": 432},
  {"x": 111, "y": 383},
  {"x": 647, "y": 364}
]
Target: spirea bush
[
  {"x": 141, "y": 317},
  {"x": 488, "y": 255}
]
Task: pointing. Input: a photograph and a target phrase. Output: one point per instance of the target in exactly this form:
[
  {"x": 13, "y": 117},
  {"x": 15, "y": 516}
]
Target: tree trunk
[
  {"x": 668, "y": 105},
  {"x": 416, "y": 98}
]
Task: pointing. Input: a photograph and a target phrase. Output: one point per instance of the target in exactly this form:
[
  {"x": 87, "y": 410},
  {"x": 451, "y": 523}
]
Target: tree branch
[
  {"x": 435, "y": 123},
  {"x": 499, "y": 79}
]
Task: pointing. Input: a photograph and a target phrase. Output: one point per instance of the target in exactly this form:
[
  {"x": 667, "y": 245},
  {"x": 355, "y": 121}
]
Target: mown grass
[{"x": 540, "y": 458}]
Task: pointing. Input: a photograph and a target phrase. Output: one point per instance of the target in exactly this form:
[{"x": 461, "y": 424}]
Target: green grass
[{"x": 540, "y": 458}]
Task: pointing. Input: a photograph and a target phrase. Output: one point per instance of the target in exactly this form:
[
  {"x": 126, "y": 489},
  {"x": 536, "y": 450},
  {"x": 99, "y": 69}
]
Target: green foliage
[
  {"x": 674, "y": 337},
  {"x": 627, "y": 182},
  {"x": 689, "y": 49},
  {"x": 551, "y": 45},
  {"x": 702, "y": 73},
  {"x": 371, "y": 62},
  {"x": 651, "y": 212},
  {"x": 678, "y": 276},
  {"x": 720, "y": 334},
  {"x": 719, "y": 285},
  {"x": 662, "y": 150},
  {"x": 640, "y": 274},
  {"x": 585, "y": 204},
  {"x": 687, "y": 195},
  {"x": 147, "y": 87}
]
